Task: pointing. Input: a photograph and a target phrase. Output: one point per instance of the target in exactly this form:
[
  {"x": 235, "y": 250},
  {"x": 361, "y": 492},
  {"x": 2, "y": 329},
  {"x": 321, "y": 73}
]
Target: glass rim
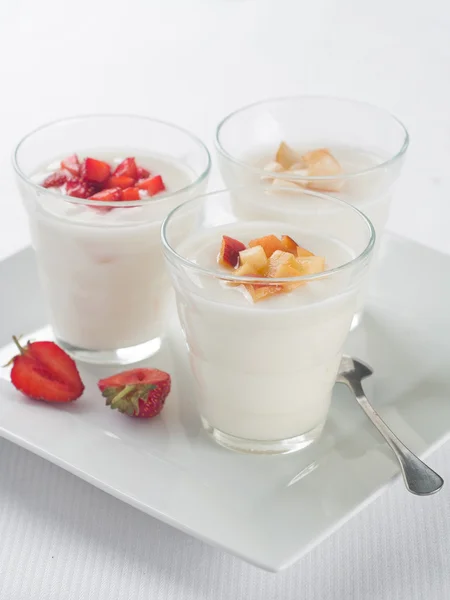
[
  {"x": 293, "y": 177},
  {"x": 123, "y": 203},
  {"x": 272, "y": 280}
]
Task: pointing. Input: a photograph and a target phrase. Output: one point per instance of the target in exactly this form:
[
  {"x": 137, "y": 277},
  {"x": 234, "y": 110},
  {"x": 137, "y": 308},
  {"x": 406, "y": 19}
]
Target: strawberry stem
[
  {"x": 126, "y": 390},
  {"x": 17, "y": 343}
]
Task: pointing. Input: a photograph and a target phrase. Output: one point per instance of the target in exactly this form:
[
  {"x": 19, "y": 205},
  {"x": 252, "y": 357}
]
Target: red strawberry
[
  {"x": 142, "y": 173},
  {"x": 138, "y": 393},
  {"x": 127, "y": 168},
  {"x": 131, "y": 193},
  {"x": 153, "y": 185},
  {"x": 109, "y": 195},
  {"x": 43, "y": 371},
  {"x": 56, "y": 179},
  {"x": 96, "y": 170},
  {"x": 80, "y": 189},
  {"x": 120, "y": 181},
  {"x": 71, "y": 164}
]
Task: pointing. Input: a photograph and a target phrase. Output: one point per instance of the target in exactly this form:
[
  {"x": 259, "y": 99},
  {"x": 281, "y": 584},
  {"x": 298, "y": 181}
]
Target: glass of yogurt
[
  {"x": 98, "y": 250},
  {"x": 351, "y": 149},
  {"x": 265, "y": 351}
]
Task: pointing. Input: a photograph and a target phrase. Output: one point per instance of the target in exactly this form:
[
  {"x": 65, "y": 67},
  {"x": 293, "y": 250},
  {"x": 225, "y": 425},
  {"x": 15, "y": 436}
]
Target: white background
[{"x": 191, "y": 62}]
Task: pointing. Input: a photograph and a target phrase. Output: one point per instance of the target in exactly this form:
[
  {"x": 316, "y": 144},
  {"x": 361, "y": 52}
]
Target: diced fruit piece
[
  {"x": 279, "y": 257},
  {"x": 109, "y": 195},
  {"x": 55, "y": 179},
  {"x": 260, "y": 292},
  {"x": 138, "y": 392},
  {"x": 71, "y": 164},
  {"x": 246, "y": 270},
  {"x": 229, "y": 252},
  {"x": 311, "y": 265},
  {"x": 142, "y": 173},
  {"x": 270, "y": 243},
  {"x": 274, "y": 167},
  {"x": 303, "y": 252},
  {"x": 321, "y": 163},
  {"x": 120, "y": 181},
  {"x": 79, "y": 189},
  {"x": 299, "y": 168},
  {"x": 131, "y": 193},
  {"x": 287, "y": 157},
  {"x": 127, "y": 168},
  {"x": 96, "y": 170},
  {"x": 286, "y": 270},
  {"x": 153, "y": 185},
  {"x": 289, "y": 245},
  {"x": 43, "y": 371},
  {"x": 255, "y": 256},
  {"x": 287, "y": 184}
]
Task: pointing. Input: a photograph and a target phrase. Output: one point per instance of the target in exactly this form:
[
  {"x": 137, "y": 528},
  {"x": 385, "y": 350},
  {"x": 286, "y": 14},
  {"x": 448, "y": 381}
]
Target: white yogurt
[
  {"x": 265, "y": 371},
  {"x": 103, "y": 272}
]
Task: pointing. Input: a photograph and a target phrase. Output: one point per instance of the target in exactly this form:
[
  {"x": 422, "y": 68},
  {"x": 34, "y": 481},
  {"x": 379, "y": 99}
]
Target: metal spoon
[{"x": 419, "y": 478}]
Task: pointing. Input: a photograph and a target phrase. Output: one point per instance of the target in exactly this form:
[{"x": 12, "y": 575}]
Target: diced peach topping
[
  {"x": 255, "y": 256},
  {"x": 311, "y": 265},
  {"x": 269, "y": 257},
  {"x": 321, "y": 163},
  {"x": 260, "y": 292},
  {"x": 289, "y": 245},
  {"x": 270, "y": 244},
  {"x": 287, "y": 157},
  {"x": 316, "y": 163},
  {"x": 303, "y": 252},
  {"x": 229, "y": 252}
]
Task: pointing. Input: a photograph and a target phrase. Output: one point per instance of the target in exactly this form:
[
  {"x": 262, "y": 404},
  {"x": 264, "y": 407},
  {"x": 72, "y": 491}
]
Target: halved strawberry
[
  {"x": 80, "y": 189},
  {"x": 153, "y": 185},
  {"x": 127, "y": 168},
  {"x": 142, "y": 173},
  {"x": 109, "y": 195},
  {"x": 138, "y": 392},
  {"x": 120, "y": 181},
  {"x": 43, "y": 371},
  {"x": 96, "y": 170},
  {"x": 229, "y": 252},
  {"x": 131, "y": 193},
  {"x": 71, "y": 164},
  {"x": 55, "y": 179}
]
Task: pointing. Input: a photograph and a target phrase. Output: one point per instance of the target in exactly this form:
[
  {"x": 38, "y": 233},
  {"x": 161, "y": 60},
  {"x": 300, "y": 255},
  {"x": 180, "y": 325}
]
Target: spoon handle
[{"x": 418, "y": 477}]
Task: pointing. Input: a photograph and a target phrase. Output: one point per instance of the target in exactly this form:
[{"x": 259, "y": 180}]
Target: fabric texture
[{"x": 62, "y": 539}]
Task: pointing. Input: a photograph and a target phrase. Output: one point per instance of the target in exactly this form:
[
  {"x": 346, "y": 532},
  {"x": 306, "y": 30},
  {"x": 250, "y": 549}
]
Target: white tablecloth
[{"x": 191, "y": 62}]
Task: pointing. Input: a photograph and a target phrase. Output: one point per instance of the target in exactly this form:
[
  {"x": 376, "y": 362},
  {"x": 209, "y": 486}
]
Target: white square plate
[{"x": 267, "y": 510}]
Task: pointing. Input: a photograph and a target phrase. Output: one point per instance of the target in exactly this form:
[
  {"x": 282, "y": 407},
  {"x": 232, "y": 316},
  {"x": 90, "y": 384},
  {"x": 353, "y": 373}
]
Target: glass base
[
  {"x": 121, "y": 356},
  {"x": 286, "y": 446}
]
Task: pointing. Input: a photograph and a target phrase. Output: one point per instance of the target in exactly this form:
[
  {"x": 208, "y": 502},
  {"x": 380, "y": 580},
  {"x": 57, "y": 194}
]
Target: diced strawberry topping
[
  {"x": 142, "y": 173},
  {"x": 121, "y": 181},
  {"x": 55, "y": 179},
  {"x": 131, "y": 193},
  {"x": 109, "y": 195},
  {"x": 71, "y": 164},
  {"x": 153, "y": 185},
  {"x": 96, "y": 170},
  {"x": 79, "y": 189},
  {"x": 127, "y": 168}
]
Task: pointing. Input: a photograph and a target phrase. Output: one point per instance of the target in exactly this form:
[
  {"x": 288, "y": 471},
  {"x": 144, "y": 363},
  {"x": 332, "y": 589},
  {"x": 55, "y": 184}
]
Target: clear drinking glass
[
  {"x": 369, "y": 143},
  {"x": 265, "y": 371},
  {"x": 102, "y": 271}
]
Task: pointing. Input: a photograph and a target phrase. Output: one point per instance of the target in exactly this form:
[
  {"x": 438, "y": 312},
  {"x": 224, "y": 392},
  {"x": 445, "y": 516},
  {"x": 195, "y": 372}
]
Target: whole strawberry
[
  {"x": 43, "y": 371},
  {"x": 138, "y": 392}
]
